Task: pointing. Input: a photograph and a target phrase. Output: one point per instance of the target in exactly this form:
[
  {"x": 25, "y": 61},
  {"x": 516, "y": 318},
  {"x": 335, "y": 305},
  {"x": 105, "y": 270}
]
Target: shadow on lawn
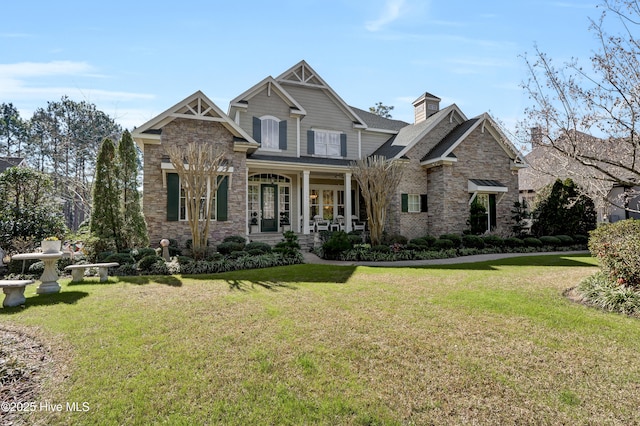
[
  {"x": 64, "y": 297},
  {"x": 553, "y": 260},
  {"x": 170, "y": 280},
  {"x": 246, "y": 285}
]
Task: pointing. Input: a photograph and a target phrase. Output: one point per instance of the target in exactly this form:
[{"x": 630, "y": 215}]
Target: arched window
[{"x": 270, "y": 134}]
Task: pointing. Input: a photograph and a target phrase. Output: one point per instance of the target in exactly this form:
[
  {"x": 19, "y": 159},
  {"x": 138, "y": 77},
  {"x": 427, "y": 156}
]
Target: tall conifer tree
[
  {"x": 106, "y": 217},
  {"x": 134, "y": 226}
]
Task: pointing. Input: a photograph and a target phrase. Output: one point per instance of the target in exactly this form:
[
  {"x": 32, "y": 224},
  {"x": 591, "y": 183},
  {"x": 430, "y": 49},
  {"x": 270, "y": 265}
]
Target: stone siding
[
  {"x": 480, "y": 156},
  {"x": 181, "y": 132}
]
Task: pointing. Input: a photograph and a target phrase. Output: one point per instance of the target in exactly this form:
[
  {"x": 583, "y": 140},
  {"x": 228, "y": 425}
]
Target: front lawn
[{"x": 493, "y": 342}]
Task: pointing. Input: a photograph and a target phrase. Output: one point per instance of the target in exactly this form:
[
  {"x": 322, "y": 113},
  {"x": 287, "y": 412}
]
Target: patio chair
[
  {"x": 320, "y": 223},
  {"x": 340, "y": 222},
  {"x": 357, "y": 225}
]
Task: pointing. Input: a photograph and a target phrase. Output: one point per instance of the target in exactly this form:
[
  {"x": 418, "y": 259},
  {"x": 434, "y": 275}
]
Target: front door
[{"x": 269, "y": 196}]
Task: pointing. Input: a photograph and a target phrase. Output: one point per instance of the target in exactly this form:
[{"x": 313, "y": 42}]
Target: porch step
[{"x": 305, "y": 241}]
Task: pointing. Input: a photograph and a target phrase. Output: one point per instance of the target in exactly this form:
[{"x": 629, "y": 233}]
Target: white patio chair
[
  {"x": 340, "y": 222},
  {"x": 356, "y": 224},
  {"x": 320, "y": 223}
]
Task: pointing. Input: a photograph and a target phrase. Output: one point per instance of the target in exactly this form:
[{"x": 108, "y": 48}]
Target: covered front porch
[{"x": 285, "y": 198}]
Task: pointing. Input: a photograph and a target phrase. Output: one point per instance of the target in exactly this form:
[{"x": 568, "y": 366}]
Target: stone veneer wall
[
  {"x": 415, "y": 181},
  {"x": 181, "y": 132},
  {"x": 446, "y": 186},
  {"x": 479, "y": 157}
]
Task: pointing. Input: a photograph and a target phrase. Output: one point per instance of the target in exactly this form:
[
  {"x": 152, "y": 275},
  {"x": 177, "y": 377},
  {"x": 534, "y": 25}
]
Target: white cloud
[
  {"x": 38, "y": 69},
  {"x": 393, "y": 9}
]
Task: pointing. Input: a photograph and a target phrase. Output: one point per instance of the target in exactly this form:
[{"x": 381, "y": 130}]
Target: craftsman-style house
[{"x": 290, "y": 142}]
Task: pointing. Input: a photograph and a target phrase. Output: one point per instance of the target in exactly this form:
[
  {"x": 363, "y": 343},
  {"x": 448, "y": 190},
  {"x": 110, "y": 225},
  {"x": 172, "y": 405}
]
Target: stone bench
[
  {"x": 14, "y": 292},
  {"x": 77, "y": 271}
]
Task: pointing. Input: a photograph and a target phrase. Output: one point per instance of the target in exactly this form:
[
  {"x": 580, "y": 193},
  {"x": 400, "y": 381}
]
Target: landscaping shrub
[
  {"x": 422, "y": 242},
  {"x": 258, "y": 246},
  {"x": 289, "y": 247},
  {"x": 548, "y": 240},
  {"x": 415, "y": 247},
  {"x": 121, "y": 258},
  {"x": 36, "y": 268},
  {"x": 532, "y": 242},
  {"x": 227, "y": 247},
  {"x": 513, "y": 242},
  {"x": 608, "y": 295},
  {"x": 147, "y": 262},
  {"x": 381, "y": 249},
  {"x": 394, "y": 239},
  {"x": 185, "y": 259},
  {"x": 444, "y": 244},
  {"x": 472, "y": 241},
  {"x": 354, "y": 238},
  {"x": 580, "y": 239},
  {"x": 454, "y": 238},
  {"x": 617, "y": 246},
  {"x": 125, "y": 270},
  {"x": 235, "y": 239},
  {"x": 139, "y": 253},
  {"x": 565, "y": 240},
  {"x": 94, "y": 246},
  {"x": 493, "y": 241},
  {"x": 237, "y": 254},
  {"x": 337, "y": 243}
]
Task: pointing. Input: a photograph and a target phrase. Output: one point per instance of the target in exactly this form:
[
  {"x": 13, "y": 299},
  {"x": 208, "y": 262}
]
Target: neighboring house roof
[
  {"x": 197, "y": 106},
  {"x": 6, "y": 162},
  {"x": 444, "y": 147},
  {"x": 271, "y": 85},
  {"x": 302, "y": 74},
  {"x": 374, "y": 121}
]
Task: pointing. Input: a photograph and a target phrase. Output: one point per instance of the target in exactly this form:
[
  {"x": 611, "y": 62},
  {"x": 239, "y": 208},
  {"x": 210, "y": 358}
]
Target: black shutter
[
  {"x": 343, "y": 144},
  {"x": 283, "y": 135},
  {"x": 404, "y": 202},
  {"x": 492, "y": 212},
  {"x": 222, "y": 198},
  {"x": 423, "y": 202},
  {"x": 257, "y": 129},
  {"x": 311, "y": 142},
  {"x": 173, "y": 196}
]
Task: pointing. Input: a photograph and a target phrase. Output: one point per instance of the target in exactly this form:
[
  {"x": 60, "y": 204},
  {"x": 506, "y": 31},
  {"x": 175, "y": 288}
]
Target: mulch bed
[{"x": 24, "y": 364}]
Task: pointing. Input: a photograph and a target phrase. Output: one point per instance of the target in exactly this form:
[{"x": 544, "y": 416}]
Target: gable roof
[
  {"x": 302, "y": 74},
  {"x": 376, "y": 122},
  {"x": 443, "y": 151},
  {"x": 7, "y": 162},
  {"x": 271, "y": 85},
  {"x": 195, "y": 107}
]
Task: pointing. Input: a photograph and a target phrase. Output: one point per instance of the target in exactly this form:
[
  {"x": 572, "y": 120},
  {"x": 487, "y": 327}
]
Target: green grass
[{"x": 488, "y": 343}]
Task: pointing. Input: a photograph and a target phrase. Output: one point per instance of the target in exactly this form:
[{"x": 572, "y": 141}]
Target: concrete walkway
[{"x": 312, "y": 258}]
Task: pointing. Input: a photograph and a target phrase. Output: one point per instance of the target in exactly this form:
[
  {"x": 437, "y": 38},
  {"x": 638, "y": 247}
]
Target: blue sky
[{"x": 134, "y": 59}]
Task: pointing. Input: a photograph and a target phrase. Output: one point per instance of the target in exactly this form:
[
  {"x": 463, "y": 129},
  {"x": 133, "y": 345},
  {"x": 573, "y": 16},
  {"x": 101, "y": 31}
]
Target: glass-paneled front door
[{"x": 269, "y": 208}]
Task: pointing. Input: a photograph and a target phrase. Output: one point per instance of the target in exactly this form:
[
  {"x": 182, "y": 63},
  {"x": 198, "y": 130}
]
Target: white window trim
[
  {"x": 186, "y": 212},
  {"x": 409, "y": 204},
  {"x": 270, "y": 149},
  {"x": 315, "y": 141}
]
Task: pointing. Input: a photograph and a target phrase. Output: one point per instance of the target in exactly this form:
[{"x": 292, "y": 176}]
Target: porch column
[
  {"x": 347, "y": 202},
  {"x": 305, "y": 202}
]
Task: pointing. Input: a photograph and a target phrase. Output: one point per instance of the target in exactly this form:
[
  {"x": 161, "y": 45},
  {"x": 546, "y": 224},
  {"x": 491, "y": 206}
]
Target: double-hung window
[
  {"x": 413, "y": 203},
  {"x": 327, "y": 143},
  {"x": 202, "y": 204}
]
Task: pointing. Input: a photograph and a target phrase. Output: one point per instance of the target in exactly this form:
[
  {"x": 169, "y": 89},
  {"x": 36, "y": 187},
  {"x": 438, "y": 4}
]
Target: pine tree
[
  {"x": 134, "y": 229},
  {"x": 106, "y": 217}
]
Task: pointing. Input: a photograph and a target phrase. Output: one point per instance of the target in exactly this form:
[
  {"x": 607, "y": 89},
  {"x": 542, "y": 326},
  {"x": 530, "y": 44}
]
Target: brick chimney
[{"x": 425, "y": 106}]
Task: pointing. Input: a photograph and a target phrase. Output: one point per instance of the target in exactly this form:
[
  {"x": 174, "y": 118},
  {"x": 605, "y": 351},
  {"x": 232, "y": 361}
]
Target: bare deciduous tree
[
  {"x": 378, "y": 179},
  {"x": 198, "y": 165},
  {"x": 588, "y": 120}
]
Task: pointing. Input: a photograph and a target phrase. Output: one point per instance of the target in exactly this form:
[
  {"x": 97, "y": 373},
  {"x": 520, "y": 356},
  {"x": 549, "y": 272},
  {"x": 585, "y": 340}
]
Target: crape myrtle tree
[
  {"x": 133, "y": 223},
  {"x": 378, "y": 179},
  {"x": 587, "y": 119},
  {"x": 106, "y": 218},
  {"x": 198, "y": 165}
]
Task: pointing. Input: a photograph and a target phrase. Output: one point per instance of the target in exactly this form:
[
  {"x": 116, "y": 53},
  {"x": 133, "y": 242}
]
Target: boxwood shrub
[
  {"x": 513, "y": 242},
  {"x": 444, "y": 244},
  {"x": 532, "y": 242},
  {"x": 565, "y": 240},
  {"x": 549, "y": 240},
  {"x": 472, "y": 241},
  {"x": 493, "y": 241},
  {"x": 228, "y": 247},
  {"x": 454, "y": 238},
  {"x": 258, "y": 246}
]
